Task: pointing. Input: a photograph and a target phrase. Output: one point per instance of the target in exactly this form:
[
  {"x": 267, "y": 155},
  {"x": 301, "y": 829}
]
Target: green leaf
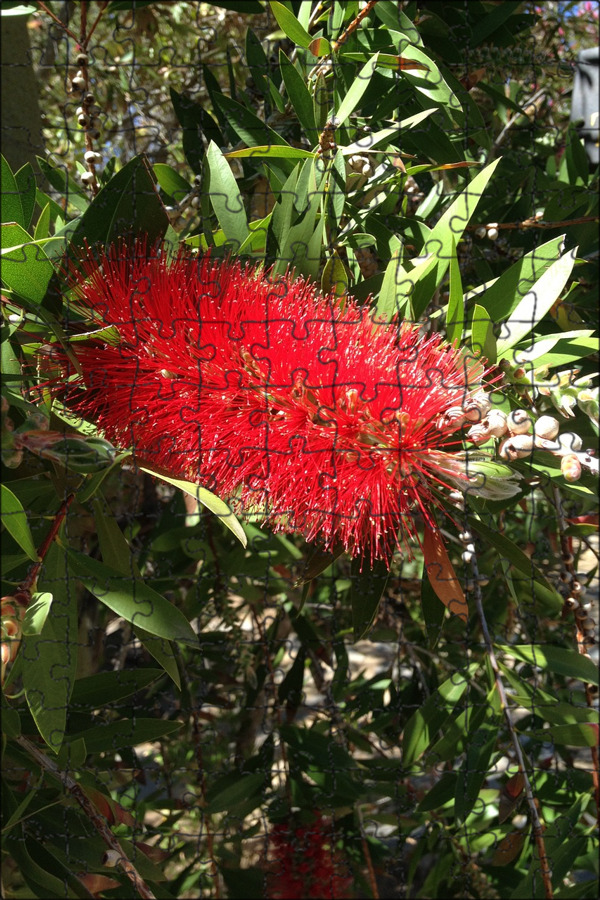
[
  {"x": 37, "y": 613},
  {"x": 129, "y": 197},
  {"x": 290, "y": 25},
  {"x": 475, "y": 767},
  {"x": 197, "y": 125},
  {"x": 234, "y": 789},
  {"x": 15, "y": 522},
  {"x": 555, "y": 659},
  {"x": 172, "y": 183},
  {"x": 321, "y": 101},
  {"x": 558, "y": 842},
  {"x": 502, "y": 297},
  {"x": 270, "y": 152},
  {"x": 246, "y": 125},
  {"x": 49, "y": 659},
  {"x": 540, "y": 588},
  {"x": 420, "y": 283},
  {"x": 366, "y": 591},
  {"x": 536, "y": 302},
  {"x": 106, "y": 738},
  {"x": 441, "y": 793},
  {"x": 583, "y": 735},
  {"x": 11, "y": 206},
  {"x": 104, "y": 688},
  {"x": 336, "y": 276},
  {"x": 133, "y": 599},
  {"x": 42, "y": 228},
  {"x": 25, "y": 267},
  {"x": 429, "y": 82},
  {"x": 357, "y": 89},
  {"x": 27, "y": 187},
  {"x": 61, "y": 181},
  {"x": 483, "y": 342},
  {"x": 226, "y": 198},
  {"x": 299, "y": 96},
  {"x": 208, "y": 499},
  {"x": 423, "y": 726},
  {"x": 433, "y": 612},
  {"x": 455, "y": 312}
]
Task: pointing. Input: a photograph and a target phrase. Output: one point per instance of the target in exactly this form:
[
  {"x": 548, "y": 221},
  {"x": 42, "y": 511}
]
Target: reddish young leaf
[{"x": 441, "y": 574}]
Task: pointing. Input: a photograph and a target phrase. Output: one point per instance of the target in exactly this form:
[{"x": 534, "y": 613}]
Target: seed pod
[
  {"x": 78, "y": 83},
  {"x": 570, "y": 468},
  {"x": 517, "y": 447},
  {"x": 480, "y": 232},
  {"x": 519, "y": 422},
  {"x": 83, "y": 121},
  {"x": 546, "y": 427},
  {"x": 570, "y": 441},
  {"x": 492, "y": 234},
  {"x": 87, "y": 177},
  {"x": 91, "y": 156},
  {"x": 82, "y": 59}
]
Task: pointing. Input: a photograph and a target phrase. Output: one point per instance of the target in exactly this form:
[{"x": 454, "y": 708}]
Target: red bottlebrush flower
[
  {"x": 285, "y": 402},
  {"x": 305, "y": 863}
]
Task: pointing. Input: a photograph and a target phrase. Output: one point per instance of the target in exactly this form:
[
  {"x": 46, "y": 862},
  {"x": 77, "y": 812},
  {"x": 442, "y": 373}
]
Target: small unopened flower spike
[{"x": 282, "y": 400}]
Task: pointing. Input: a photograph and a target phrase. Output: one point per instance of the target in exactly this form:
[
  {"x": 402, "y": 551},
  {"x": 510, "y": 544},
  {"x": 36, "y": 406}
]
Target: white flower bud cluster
[
  {"x": 360, "y": 164},
  {"x": 490, "y": 231},
  {"x": 87, "y": 117}
]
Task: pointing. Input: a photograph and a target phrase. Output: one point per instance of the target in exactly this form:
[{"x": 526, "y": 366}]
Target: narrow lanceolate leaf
[
  {"x": 208, "y": 499},
  {"x": 15, "y": 522},
  {"x": 226, "y": 198},
  {"x": 536, "y": 302},
  {"x": 441, "y": 574},
  {"x": 133, "y": 599},
  {"x": 367, "y": 589}
]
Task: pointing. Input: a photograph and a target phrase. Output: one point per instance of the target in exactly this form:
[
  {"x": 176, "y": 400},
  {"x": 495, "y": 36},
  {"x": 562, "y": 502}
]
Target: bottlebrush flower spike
[
  {"x": 305, "y": 863},
  {"x": 295, "y": 405}
]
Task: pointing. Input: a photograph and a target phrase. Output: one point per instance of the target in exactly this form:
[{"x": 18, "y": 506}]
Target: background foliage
[{"x": 434, "y": 757}]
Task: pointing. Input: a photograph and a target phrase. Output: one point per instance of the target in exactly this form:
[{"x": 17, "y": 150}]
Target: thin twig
[
  {"x": 581, "y": 637},
  {"x": 33, "y": 573},
  {"x": 335, "y": 45},
  {"x": 55, "y": 18},
  {"x": 538, "y": 830},
  {"x": 92, "y": 813}
]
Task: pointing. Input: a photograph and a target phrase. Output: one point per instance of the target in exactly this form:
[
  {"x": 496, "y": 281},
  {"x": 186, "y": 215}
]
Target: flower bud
[
  {"x": 477, "y": 406},
  {"x": 87, "y": 177},
  {"x": 517, "y": 447},
  {"x": 480, "y": 232},
  {"x": 570, "y": 468},
  {"x": 492, "y": 233},
  {"x": 495, "y": 422},
  {"x": 91, "y": 156},
  {"x": 518, "y": 422},
  {"x": 78, "y": 83},
  {"x": 570, "y": 441},
  {"x": 546, "y": 427},
  {"x": 454, "y": 416}
]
